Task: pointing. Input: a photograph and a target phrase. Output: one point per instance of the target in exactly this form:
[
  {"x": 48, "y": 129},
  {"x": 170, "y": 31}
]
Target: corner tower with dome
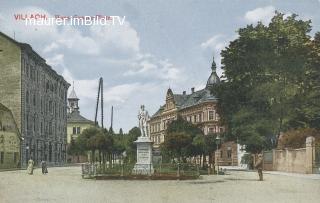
[
  {"x": 198, "y": 107},
  {"x": 76, "y": 123}
]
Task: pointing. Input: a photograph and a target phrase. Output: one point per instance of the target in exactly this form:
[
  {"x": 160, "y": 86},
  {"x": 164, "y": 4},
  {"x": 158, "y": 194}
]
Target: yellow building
[
  {"x": 75, "y": 123},
  {"x": 9, "y": 140},
  {"x": 198, "y": 107}
]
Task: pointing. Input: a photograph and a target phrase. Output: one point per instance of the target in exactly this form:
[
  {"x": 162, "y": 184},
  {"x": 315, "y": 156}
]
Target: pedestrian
[
  {"x": 44, "y": 167},
  {"x": 30, "y": 166},
  {"x": 258, "y": 166}
]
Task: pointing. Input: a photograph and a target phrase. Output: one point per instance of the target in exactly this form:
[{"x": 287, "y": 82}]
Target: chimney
[
  {"x": 192, "y": 90},
  {"x": 184, "y": 93}
]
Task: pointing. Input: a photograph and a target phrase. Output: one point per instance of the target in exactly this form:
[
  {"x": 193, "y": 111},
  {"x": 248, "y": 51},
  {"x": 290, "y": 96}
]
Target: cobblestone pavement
[{"x": 66, "y": 185}]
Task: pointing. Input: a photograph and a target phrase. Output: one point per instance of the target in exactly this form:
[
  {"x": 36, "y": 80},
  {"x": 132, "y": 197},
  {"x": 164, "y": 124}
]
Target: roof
[
  {"x": 72, "y": 95},
  {"x": 75, "y": 117},
  {"x": 28, "y": 47},
  {"x": 183, "y": 101}
]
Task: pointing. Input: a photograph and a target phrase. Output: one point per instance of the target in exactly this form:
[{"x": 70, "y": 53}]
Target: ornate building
[
  {"x": 76, "y": 123},
  {"x": 198, "y": 107},
  {"x": 37, "y": 98}
]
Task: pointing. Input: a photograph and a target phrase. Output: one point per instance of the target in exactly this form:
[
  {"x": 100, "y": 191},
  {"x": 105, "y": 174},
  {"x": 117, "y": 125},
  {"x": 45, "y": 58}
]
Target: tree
[
  {"x": 130, "y": 146},
  {"x": 297, "y": 138},
  {"x": 88, "y": 140},
  {"x": 120, "y": 132},
  {"x": 266, "y": 78},
  {"x": 73, "y": 149},
  {"x": 177, "y": 145},
  {"x": 179, "y": 138}
]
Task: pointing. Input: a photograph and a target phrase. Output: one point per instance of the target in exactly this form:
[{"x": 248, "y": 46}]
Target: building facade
[
  {"x": 76, "y": 124},
  {"x": 37, "y": 98},
  {"x": 9, "y": 140},
  {"x": 198, "y": 107}
]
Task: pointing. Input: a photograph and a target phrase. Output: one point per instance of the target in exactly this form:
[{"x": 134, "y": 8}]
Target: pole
[
  {"x": 101, "y": 83},
  {"x": 111, "y": 117}
]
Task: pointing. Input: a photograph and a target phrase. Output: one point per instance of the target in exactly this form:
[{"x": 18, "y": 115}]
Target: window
[
  {"x": 1, "y": 157},
  {"x": 50, "y": 128},
  {"x": 211, "y": 115},
  {"x": 221, "y": 154},
  {"x": 15, "y": 157},
  {"x": 34, "y": 100},
  {"x": 229, "y": 152},
  {"x": 211, "y": 130},
  {"x": 27, "y": 97},
  {"x": 76, "y": 130},
  {"x": 200, "y": 118},
  {"x": 195, "y": 118}
]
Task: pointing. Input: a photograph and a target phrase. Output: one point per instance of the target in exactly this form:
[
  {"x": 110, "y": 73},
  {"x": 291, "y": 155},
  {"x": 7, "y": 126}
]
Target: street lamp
[{"x": 218, "y": 142}]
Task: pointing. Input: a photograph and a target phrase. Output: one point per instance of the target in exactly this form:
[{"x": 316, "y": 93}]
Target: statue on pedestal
[
  {"x": 143, "y": 165},
  {"x": 143, "y": 117}
]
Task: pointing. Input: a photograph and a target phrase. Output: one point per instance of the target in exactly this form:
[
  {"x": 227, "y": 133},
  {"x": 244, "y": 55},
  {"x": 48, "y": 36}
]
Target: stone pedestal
[{"x": 144, "y": 157}]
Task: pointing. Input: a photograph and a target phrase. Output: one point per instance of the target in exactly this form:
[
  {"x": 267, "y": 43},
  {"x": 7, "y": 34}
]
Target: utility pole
[{"x": 111, "y": 126}]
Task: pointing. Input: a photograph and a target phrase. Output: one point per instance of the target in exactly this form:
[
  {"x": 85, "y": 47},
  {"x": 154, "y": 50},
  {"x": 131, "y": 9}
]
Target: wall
[
  {"x": 9, "y": 140},
  {"x": 10, "y": 77},
  {"x": 291, "y": 160}
]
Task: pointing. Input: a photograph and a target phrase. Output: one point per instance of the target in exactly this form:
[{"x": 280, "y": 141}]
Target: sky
[{"x": 162, "y": 44}]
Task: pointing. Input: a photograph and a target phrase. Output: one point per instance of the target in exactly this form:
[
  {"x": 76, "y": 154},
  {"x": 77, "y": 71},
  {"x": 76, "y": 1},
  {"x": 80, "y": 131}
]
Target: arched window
[{"x": 27, "y": 97}]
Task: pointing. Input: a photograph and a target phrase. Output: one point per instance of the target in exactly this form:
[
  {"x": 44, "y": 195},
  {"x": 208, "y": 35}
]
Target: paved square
[{"x": 66, "y": 185}]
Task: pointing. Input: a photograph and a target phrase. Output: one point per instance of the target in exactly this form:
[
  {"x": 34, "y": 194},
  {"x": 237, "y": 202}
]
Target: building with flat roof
[{"x": 37, "y": 97}]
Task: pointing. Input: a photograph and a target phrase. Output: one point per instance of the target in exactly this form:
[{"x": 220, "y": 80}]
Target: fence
[
  {"x": 303, "y": 160},
  {"x": 160, "y": 170},
  {"x": 316, "y": 168}
]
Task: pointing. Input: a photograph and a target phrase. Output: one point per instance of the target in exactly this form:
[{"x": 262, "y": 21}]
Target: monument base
[
  {"x": 143, "y": 169},
  {"x": 144, "y": 157}
]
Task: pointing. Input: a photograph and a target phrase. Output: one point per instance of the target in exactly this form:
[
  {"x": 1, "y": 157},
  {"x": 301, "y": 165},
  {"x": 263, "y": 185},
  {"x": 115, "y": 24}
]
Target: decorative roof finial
[{"x": 213, "y": 66}]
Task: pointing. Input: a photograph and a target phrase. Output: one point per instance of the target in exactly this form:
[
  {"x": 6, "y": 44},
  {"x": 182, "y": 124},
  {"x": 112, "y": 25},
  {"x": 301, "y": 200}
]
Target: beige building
[
  {"x": 9, "y": 140},
  {"x": 199, "y": 107},
  {"x": 37, "y": 97},
  {"x": 76, "y": 123}
]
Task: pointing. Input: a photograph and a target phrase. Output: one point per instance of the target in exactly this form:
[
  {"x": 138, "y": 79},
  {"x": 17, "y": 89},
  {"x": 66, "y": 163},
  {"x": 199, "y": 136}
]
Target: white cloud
[
  {"x": 113, "y": 52},
  {"x": 263, "y": 14},
  {"x": 56, "y": 60}
]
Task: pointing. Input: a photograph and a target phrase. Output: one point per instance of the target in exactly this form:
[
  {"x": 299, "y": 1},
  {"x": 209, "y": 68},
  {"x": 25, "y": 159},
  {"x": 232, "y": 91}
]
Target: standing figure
[
  {"x": 30, "y": 167},
  {"x": 44, "y": 167},
  {"x": 143, "y": 117},
  {"x": 258, "y": 166}
]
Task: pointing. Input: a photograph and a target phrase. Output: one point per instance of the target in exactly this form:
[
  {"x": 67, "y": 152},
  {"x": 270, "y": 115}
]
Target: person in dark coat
[
  {"x": 44, "y": 167},
  {"x": 258, "y": 166}
]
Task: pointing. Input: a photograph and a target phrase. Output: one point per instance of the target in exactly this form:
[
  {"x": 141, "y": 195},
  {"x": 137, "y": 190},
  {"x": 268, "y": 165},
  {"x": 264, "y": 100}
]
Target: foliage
[
  {"x": 297, "y": 138},
  {"x": 177, "y": 145},
  {"x": 269, "y": 71}
]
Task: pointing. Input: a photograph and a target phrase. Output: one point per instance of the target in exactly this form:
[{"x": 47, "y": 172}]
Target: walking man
[{"x": 258, "y": 166}]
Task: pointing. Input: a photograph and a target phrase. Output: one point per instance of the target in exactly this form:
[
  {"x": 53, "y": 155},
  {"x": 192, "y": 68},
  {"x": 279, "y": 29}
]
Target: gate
[
  {"x": 88, "y": 170},
  {"x": 316, "y": 164},
  {"x": 268, "y": 160}
]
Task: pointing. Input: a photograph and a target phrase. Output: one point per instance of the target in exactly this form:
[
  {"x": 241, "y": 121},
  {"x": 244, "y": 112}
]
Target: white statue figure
[{"x": 143, "y": 118}]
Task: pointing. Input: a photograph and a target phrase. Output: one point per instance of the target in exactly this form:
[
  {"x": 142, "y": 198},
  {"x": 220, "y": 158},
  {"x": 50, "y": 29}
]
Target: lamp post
[{"x": 218, "y": 142}]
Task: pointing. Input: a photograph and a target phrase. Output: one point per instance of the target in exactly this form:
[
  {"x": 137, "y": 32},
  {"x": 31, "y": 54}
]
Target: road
[{"x": 66, "y": 185}]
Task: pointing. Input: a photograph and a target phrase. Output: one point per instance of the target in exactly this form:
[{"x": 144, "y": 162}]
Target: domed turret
[{"x": 213, "y": 79}]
